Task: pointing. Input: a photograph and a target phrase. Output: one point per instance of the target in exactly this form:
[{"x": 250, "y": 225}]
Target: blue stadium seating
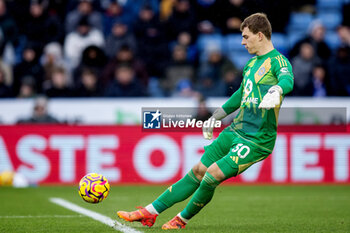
[
  {"x": 280, "y": 42},
  {"x": 300, "y": 21},
  {"x": 332, "y": 39},
  {"x": 324, "y": 5},
  {"x": 205, "y": 41},
  {"x": 239, "y": 58},
  {"x": 233, "y": 42},
  {"x": 330, "y": 19},
  {"x": 293, "y": 37}
]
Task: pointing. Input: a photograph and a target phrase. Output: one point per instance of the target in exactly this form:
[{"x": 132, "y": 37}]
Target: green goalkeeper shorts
[{"x": 232, "y": 153}]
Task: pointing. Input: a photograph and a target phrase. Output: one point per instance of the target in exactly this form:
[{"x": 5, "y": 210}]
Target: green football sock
[
  {"x": 201, "y": 197},
  {"x": 179, "y": 191}
]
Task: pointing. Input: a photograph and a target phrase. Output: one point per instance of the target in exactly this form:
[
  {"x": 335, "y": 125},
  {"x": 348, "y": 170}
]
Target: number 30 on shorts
[{"x": 241, "y": 150}]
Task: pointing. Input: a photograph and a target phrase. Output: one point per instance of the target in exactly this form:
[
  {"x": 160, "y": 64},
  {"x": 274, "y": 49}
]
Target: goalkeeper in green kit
[{"x": 267, "y": 77}]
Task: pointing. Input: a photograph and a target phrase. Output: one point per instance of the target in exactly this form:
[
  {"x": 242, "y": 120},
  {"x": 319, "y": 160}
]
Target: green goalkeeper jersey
[{"x": 259, "y": 126}]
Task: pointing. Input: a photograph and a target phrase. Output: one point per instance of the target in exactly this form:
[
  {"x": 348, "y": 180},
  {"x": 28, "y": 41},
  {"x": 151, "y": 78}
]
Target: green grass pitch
[{"x": 233, "y": 209}]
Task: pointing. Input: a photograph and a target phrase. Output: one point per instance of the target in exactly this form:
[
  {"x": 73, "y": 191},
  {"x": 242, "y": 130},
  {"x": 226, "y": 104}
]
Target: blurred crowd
[{"x": 134, "y": 48}]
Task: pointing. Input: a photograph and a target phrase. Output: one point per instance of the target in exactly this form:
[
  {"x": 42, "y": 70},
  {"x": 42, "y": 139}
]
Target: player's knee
[
  {"x": 199, "y": 170},
  {"x": 216, "y": 172}
]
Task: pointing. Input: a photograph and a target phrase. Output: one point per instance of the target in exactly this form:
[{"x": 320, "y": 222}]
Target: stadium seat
[
  {"x": 300, "y": 21},
  {"x": 324, "y": 5},
  {"x": 332, "y": 39},
  {"x": 239, "y": 58},
  {"x": 293, "y": 37},
  {"x": 205, "y": 41},
  {"x": 280, "y": 42},
  {"x": 233, "y": 43},
  {"x": 330, "y": 19}
]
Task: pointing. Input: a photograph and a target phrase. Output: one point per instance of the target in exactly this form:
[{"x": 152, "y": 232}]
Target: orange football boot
[
  {"x": 141, "y": 215},
  {"x": 175, "y": 223}
]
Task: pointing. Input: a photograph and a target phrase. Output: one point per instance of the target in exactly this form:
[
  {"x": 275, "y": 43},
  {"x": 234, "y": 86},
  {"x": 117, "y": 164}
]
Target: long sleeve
[{"x": 233, "y": 103}]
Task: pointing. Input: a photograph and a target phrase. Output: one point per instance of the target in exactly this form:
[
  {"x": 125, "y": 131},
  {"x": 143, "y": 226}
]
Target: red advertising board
[{"x": 126, "y": 154}]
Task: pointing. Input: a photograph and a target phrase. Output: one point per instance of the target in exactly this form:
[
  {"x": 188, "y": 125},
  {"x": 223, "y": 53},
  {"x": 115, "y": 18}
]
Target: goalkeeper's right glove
[
  {"x": 208, "y": 125},
  {"x": 208, "y": 128}
]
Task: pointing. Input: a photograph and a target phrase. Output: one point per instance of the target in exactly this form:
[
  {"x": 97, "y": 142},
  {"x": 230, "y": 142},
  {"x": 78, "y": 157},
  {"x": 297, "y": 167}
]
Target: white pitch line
[
  {"x": 42, "y": 216},
  {"x": 94, "y": 215}
]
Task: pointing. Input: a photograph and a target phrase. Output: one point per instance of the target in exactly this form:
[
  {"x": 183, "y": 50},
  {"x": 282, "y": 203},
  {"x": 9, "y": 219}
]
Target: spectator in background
[
  {"x": 93, "y": 58},
  {"x": 7, "y": 69},
  {"x": 120, "y": 35},
  {"x": 42, "y": 28},
  {"x": 152, "y": 45},
  {"x": 211, "y": 73},
  {"x": 344, "y": 35},
  {"x": 40, "y": 113},
  {"x": 58, "y": 8},
  {"x": 304, "y": 63},
  {"x": 8, "y": 27},
  {"x": 207, "y": 10},
  {"x": 133, "y": 7},
  {"x": 27, "y": 88},
  {"x": 177, "y": 70},
  {"x": 184, "y": 89},
  {"x": 115, "y": 12},
  {"x": 319, "y": 87},
  {"x": 339, "y": 69},
  {"x": 88, "y": 85},
  {"x": 232, "y": 79},
  {"x": 185, "y": 39},
  {"x": 127, "y": 57},
  {"x": 203, "y": 112},
  {"x": 83, "y": 9},
  {"x": 5, "y": 90},
  {"x": 278, "y": 12},
  {"x": 316, "y": 40},
  {"x": 19, "y": 11},
  {"x": 166, "y": 9},
  {"x": 182, "y": 19},
  {"x": 29, "y": 66},
  {"x": 346, "y": 13},
  {"x": 52, "y": 58},
  {"x": 125, "y": 84},
  {"x": 303, "y": 5},
  {"x": 78, "y": 40},
  {"x": 232, "y": 13},
  {"x": 58, "y": 86}
]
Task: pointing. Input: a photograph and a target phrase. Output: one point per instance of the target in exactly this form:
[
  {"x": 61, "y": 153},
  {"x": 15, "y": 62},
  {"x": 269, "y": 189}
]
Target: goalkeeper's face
[{"x": 251, "y": 41}]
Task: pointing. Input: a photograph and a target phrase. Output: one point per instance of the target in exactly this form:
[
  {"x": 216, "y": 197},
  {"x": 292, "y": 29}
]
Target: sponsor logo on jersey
[
  {"x": 248, "y": 87},
  {"x": 263, "y": 69},
  {"x": 247, "y": 90},
  {"x": 284, "y": 70},
  {"x": 250, "y": 100}
]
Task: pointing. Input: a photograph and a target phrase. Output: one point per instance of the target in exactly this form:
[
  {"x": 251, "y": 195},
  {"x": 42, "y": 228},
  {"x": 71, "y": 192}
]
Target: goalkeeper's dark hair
[{"x": 258, "y": 22}]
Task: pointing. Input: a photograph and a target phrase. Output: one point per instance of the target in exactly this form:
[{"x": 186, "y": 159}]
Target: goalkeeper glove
[
  {"x": 208, "y": 128},
  {"x": 208, "y": 125},
  {"x": 272, "y": 98}
]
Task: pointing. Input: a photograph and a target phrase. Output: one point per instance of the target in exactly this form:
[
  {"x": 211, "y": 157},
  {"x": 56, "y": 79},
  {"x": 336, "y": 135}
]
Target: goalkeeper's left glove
[{"x": 272, "y": 98}]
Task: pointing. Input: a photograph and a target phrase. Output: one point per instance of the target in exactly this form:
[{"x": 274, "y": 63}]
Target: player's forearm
[
  {"x": 219, "y": 114},
  {"x": 286, "y": 83},
  {"x": 233, "y": 103}
]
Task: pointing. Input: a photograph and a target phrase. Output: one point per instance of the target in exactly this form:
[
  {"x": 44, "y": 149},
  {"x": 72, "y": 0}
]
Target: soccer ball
[{"x": 93, "y": 188}]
